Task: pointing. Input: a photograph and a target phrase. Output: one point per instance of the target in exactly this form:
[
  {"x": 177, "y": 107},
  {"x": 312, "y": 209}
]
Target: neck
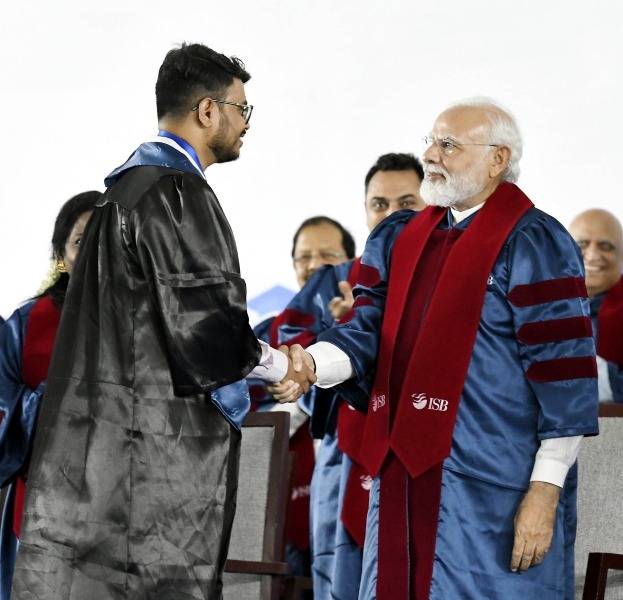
[
  {"x": 189, "y": 135},
  {"x": 478, "y": 198}
]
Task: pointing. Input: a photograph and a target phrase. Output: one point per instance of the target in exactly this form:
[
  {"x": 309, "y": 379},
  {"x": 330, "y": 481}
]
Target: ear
[
  {"x": 208, "y": 113},
  {"x": 499, "y": 162}
]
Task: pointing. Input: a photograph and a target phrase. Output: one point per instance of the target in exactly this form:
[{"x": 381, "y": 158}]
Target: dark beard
[
  {"x": 224, "y": 154},
  {"x": 223, "y": 150}
]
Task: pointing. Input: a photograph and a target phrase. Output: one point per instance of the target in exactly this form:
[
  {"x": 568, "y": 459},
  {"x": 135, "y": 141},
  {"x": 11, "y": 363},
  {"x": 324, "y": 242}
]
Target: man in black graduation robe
[{"x": 132, "y": 483}]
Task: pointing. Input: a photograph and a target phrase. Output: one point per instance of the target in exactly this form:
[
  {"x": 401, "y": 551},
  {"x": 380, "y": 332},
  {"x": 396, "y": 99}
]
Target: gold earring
[{"x": 61, "y": 266}]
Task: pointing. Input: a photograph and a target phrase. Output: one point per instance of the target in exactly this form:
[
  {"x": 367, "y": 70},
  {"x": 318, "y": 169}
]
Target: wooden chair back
[
  {"x": 599, "y": 540},
  {"x": 255, "y": 566}
]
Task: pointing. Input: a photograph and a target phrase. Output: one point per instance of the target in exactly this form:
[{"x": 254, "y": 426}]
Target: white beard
[{"x": 454, "y": 190}]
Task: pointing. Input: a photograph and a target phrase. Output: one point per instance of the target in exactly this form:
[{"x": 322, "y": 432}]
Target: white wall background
[{"x": 335, "y": 84}]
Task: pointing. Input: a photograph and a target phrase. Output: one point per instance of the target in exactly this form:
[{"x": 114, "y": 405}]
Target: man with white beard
[{"x": 471, "y": 351}]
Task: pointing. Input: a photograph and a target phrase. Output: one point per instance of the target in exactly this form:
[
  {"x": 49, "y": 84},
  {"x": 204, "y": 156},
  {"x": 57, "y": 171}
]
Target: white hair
[{"x": 504, "y": 130}]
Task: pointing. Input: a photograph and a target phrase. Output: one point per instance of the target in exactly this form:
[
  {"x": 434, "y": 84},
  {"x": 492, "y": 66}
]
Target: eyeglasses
[
  {"x": 447, "y": 145},
  {"x": 326, "y": 257},
  {"x": 245, "y": 109}
]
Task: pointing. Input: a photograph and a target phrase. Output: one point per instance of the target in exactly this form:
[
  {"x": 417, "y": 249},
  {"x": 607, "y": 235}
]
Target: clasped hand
[{"x": 299, "y": 378}]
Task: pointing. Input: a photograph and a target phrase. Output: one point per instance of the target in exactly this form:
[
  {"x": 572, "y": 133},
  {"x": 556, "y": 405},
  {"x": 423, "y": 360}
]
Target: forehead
[
  {"x": 235, "y": 92},
  {"x": 388, "y": 184},
  {"x": 462, "y": 123},
  {"x": 319, "y": 237},
  {"x": 81, "y": 222},
  {"x": 596, "y": 226}
]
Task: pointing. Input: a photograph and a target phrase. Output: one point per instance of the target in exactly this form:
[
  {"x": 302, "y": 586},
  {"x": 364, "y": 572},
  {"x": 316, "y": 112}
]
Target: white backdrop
[{"x": 335, "y": 84}]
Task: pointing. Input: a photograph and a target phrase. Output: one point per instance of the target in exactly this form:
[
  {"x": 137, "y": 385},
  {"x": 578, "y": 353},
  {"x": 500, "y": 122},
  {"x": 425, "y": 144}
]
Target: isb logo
[
  {"x": 421, "y": 401},
  {"x": 378, "y": 402}
]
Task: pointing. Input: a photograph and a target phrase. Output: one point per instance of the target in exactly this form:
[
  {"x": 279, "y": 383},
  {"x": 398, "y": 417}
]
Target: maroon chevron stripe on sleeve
[
  {"x": 555, "y": 330},
  {"x": 561, "y": 369},
  {"x": 551, "y": 290}
]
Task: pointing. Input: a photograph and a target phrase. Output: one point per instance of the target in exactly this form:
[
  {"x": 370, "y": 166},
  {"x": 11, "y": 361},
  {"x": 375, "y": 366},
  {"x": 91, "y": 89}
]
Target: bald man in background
[{"x": 600, "y": 237}]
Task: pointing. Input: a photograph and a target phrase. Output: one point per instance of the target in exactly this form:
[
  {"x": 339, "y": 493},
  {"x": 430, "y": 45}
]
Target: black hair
[
  {"x": 348, "y": 242},
  {"x": 193, "y": 70},
  {"x": 70, "y": 212},
  {"x": 395, "y": 161}
]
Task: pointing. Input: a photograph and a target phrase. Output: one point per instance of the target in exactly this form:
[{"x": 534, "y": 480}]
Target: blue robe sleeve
[
  {"x": 18, "y": 403},
  {"x": 551, "y": 316},
  {"x": 360, "y": 335}
]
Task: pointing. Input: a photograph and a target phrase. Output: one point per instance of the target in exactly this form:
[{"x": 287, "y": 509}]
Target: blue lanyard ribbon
[{"x": 184, "y": 144}]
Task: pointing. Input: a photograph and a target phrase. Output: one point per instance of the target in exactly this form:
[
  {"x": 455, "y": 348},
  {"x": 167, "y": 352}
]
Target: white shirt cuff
[
  {"x": 554, "y": 459},
  {"x": 332, "y": 364},
  {"x": 273, "y": 365}
]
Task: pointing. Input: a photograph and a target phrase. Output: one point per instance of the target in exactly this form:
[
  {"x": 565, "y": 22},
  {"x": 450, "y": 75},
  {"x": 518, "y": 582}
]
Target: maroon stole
[
  {"x": 422, "y": 438},
  {"x": 443, "y": 275},
  {"x": 38, "y": 344},
  {"x": 610, "y": 325},
  {"x": 350, "y": 426}
]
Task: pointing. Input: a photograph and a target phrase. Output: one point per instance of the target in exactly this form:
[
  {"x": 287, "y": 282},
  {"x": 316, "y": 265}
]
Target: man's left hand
[{"x": 534, "y": 525}]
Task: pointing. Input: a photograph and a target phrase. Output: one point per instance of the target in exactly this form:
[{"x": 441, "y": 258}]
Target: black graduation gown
[{"x": 132, "y": 483}]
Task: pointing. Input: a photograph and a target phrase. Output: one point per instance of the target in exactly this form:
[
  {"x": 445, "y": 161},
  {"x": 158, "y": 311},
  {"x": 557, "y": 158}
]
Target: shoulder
[
  {"x": 536, "y": 222},
  {"x": 380, "y": 242},
  {"x": 342, "y": 271},
  {"x": 15, "y": 325},
  {"x": 328, "y": 274},
  {"x": 149, "y": 185},
  {"x": 23, "y": 311},
  {"x": 539, "y": 229},
  {"x": 541, "y": 248},
  {"x": 393, "y": 224}
]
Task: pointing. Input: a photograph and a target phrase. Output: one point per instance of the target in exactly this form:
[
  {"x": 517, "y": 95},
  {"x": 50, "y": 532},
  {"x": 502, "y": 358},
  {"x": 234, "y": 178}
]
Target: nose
[
  {"x": 590, "y": 252},
  {"x": 315, "y": 263},
  {"x": 431, "y": 154}
]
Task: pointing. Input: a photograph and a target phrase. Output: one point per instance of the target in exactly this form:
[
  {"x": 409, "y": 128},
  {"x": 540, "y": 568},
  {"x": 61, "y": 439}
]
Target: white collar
[{"x": 460, "y": 215}]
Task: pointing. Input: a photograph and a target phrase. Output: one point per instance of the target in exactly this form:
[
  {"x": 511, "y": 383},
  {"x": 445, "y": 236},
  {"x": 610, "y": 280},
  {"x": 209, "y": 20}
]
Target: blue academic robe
[
  {"x": 18, "y": 409},
  {"x": 336, "y": 557},
  {"x": 503, "y": 414}
]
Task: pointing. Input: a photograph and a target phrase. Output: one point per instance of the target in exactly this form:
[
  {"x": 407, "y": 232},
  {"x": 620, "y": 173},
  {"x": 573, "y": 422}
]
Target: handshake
[{"x": 299, "y": 378}]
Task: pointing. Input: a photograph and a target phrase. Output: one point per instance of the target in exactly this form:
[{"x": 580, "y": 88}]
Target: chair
[
  {"x": 599, "y": 541},
  {"x": 255, "y": 567}
]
